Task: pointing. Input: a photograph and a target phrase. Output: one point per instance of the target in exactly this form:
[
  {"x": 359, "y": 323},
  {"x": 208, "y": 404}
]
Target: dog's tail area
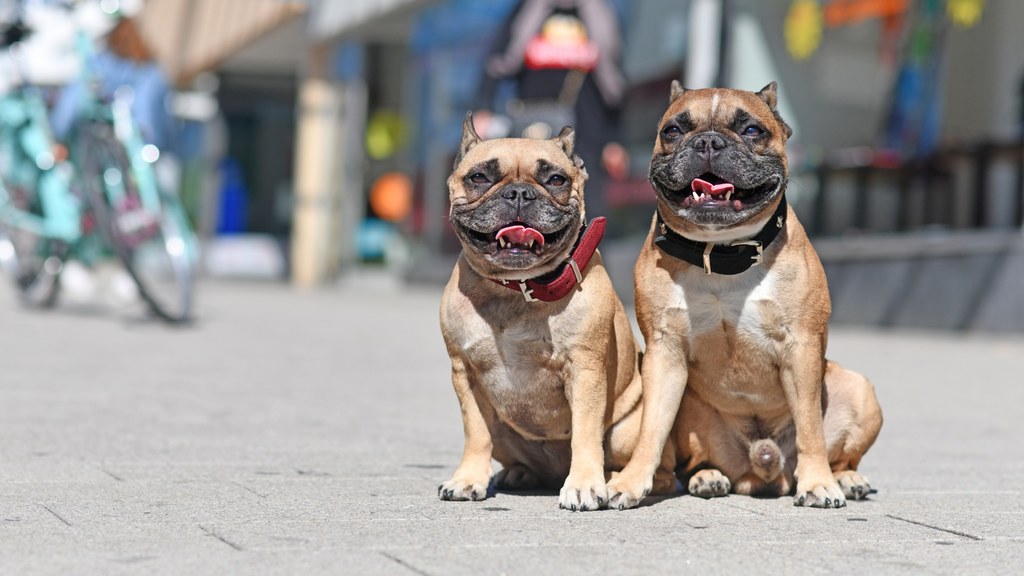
[{"x": 766, "y": 458}]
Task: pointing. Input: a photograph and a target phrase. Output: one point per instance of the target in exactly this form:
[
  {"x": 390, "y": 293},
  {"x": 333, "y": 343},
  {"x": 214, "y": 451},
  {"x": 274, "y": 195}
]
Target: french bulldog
[
  {"x": 544, "y": 361},
  {"x": 733, "y": 305}
]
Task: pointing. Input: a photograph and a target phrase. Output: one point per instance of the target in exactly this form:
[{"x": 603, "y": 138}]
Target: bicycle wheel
[
  {"x": 32, "y": 260},
  {"x": 28, "y": 260},
  {"x": 147, "y": 234}
]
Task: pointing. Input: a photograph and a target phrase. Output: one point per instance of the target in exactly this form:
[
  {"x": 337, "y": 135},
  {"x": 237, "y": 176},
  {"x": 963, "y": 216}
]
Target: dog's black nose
[
  {"x": 708, "y": 140},
  {"x": 519, "y": 192}
]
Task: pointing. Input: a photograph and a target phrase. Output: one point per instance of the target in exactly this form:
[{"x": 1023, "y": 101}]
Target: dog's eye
[
  {"x": 479, "y": 178},
  {"x": 556, "y": 180},
  {"x": 753, "y": 130},
  {"x": 671, "y": 133}
]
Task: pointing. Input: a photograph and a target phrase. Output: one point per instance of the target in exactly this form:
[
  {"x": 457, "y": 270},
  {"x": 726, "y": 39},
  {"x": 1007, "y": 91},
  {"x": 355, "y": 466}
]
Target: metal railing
[{"x": 979, "y": 186}]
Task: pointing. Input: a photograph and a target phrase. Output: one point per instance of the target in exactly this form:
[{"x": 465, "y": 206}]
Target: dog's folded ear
[
  {"x": 567, "y": 140},
  {"x": 676, "y": 91},
  {"x": 769, "y": 94},
  {"x": 469, "y": 138}
]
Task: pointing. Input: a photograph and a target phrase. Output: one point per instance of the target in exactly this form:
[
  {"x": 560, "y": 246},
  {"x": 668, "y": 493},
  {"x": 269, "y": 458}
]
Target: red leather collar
[{"x": 558, "y": 284}]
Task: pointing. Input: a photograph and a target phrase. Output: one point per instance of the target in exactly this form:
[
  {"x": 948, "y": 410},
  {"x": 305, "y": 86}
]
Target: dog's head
[
  {"x": 719, "y": 164},
  {"x": 516, "y": 203}
]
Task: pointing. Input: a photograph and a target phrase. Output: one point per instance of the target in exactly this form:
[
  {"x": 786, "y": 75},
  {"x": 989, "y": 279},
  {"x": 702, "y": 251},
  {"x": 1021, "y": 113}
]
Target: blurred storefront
[
  {"x": 908, "y": 156},
  {"x": 874, "y": 89},
  {"x": 908, "y": 119}
]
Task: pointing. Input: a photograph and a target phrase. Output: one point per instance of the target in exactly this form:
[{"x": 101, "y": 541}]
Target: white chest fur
[
  {"x": 732, "y": 349},
  {"x": 714, "y": 302}
]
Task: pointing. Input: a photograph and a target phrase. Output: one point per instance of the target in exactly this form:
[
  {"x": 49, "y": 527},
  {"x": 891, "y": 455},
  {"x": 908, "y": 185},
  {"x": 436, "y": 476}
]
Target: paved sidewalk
[{"x": 306, "y": 433}]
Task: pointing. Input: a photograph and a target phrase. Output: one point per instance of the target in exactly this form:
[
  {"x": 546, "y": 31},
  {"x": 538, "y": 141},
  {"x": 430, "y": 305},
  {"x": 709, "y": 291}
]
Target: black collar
[{"x": 725, "y": 259}]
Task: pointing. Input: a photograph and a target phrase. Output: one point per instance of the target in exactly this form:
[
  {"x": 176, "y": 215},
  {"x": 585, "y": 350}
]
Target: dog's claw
[
  {"x": 853, "y": 485},
  {"x": 623, "y": 495},
  {"x": 823, "y": 495},
  {"x": 709, "y": 483},
  {"x": 462, "y": 490},
  {"x": 582, "y": 495}
]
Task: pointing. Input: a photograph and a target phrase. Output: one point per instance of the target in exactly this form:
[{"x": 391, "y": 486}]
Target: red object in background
[
  {"x": 629, "y": 192},
  {"x": 542, "y": 53},
  {"x": 843, "y": 12}
]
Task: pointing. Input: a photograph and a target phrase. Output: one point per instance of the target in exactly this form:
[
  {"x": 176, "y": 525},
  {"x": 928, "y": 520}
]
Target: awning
[
  {"x": 190, "y": 36},
  {"x": 334, "y": 18}
]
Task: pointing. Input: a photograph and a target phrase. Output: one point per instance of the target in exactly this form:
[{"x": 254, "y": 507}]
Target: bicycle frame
[
  {"x": 109, "y": 175},
  {"x": 155, "y": 204},
  {"x": 24, "y": 126}
]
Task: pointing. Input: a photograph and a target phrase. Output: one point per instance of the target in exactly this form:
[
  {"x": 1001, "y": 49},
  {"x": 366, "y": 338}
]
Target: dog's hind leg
[
  {"x": 516, "y": 477},
  {"x": 620, "y": 440},
  {"x": 527, "y": 464},
  {"x": 707, "y": 449},
  {"x": 852, "y": 420}
]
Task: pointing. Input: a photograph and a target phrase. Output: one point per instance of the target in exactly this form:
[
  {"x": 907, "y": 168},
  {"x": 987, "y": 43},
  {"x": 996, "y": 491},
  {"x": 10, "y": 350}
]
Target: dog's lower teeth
[
  {"x": 501, "y": 242},
  {"x": 529, "y": 243},
  {"x": 696, "y": 196},
  {"x": 728, "y": 195}
]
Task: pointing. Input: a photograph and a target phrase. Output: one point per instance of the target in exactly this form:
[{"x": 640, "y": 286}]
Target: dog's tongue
[
  {"x": 705, "y": 187},
  {"x": 517, "y": 234}
]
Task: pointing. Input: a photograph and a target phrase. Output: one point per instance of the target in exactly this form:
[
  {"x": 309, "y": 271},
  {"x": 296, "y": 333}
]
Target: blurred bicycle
[{"x": 102, "y": 197}]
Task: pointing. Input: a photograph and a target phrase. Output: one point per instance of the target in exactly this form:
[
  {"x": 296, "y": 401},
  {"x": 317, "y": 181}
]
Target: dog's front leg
[
  {"x": 473, "y": 475},
  {"x": 802, "y": 374},
  {"x": 664, "y": 376},
  {"x": 584, "y": 488}
]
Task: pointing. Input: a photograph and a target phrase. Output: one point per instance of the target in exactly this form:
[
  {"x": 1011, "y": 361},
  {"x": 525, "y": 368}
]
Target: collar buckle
[
  {"x": 527, "y": 292},
  {"x": 576, "y": 271},
  {"x": 757, "y": 258}
]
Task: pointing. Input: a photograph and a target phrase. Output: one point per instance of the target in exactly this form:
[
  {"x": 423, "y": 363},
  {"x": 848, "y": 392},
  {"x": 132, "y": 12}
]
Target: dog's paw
[
  {"x": 623, "y": 493},
  {"x": 819, "y": 495},
  {"x": 853, "y": 485},
  {"x": 583, "y": 493},
  {"x": 516, "y": 477},
  {"x": 709, "y": 483},
  {"x": 461, "y": 489}
]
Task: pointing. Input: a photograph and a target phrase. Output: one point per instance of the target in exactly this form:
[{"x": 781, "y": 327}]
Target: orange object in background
[{"x": 391, "y": 196}]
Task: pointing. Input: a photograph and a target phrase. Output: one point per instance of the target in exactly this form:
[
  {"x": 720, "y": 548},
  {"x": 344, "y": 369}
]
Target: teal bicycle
[{"x": 103, "y": 198}]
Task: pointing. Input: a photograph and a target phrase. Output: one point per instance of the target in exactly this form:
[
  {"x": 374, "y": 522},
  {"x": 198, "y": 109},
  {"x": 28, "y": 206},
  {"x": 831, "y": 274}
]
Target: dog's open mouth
[
  {"x": 711, "y": 191},
  {"x": 517, "y": 238}
]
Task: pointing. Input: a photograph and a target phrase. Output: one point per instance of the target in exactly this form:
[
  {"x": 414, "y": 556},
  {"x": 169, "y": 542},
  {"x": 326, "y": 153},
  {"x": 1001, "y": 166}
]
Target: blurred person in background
[
  {"x": 125, "y": 60},
  {"x": 122, "y": 58},
  {"x": 564, "y": 58},
  {"x": 46, "y": 32}
]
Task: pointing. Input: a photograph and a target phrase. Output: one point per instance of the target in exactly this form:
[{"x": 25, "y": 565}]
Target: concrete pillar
[
  {"x": 704, "y": 45},
  {"x": 317, "y": 175}
]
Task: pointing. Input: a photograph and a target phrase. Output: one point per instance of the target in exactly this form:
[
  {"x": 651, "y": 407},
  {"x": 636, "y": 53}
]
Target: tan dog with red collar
[
  {"x": 733, "y": 304},
  {"x": 544, "y": 362}
]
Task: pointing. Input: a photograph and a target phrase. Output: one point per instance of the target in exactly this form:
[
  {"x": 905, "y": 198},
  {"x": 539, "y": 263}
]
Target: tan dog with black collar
[
  {"x": 544, "y": 362},
  {"x": 733, "y": 304}
]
